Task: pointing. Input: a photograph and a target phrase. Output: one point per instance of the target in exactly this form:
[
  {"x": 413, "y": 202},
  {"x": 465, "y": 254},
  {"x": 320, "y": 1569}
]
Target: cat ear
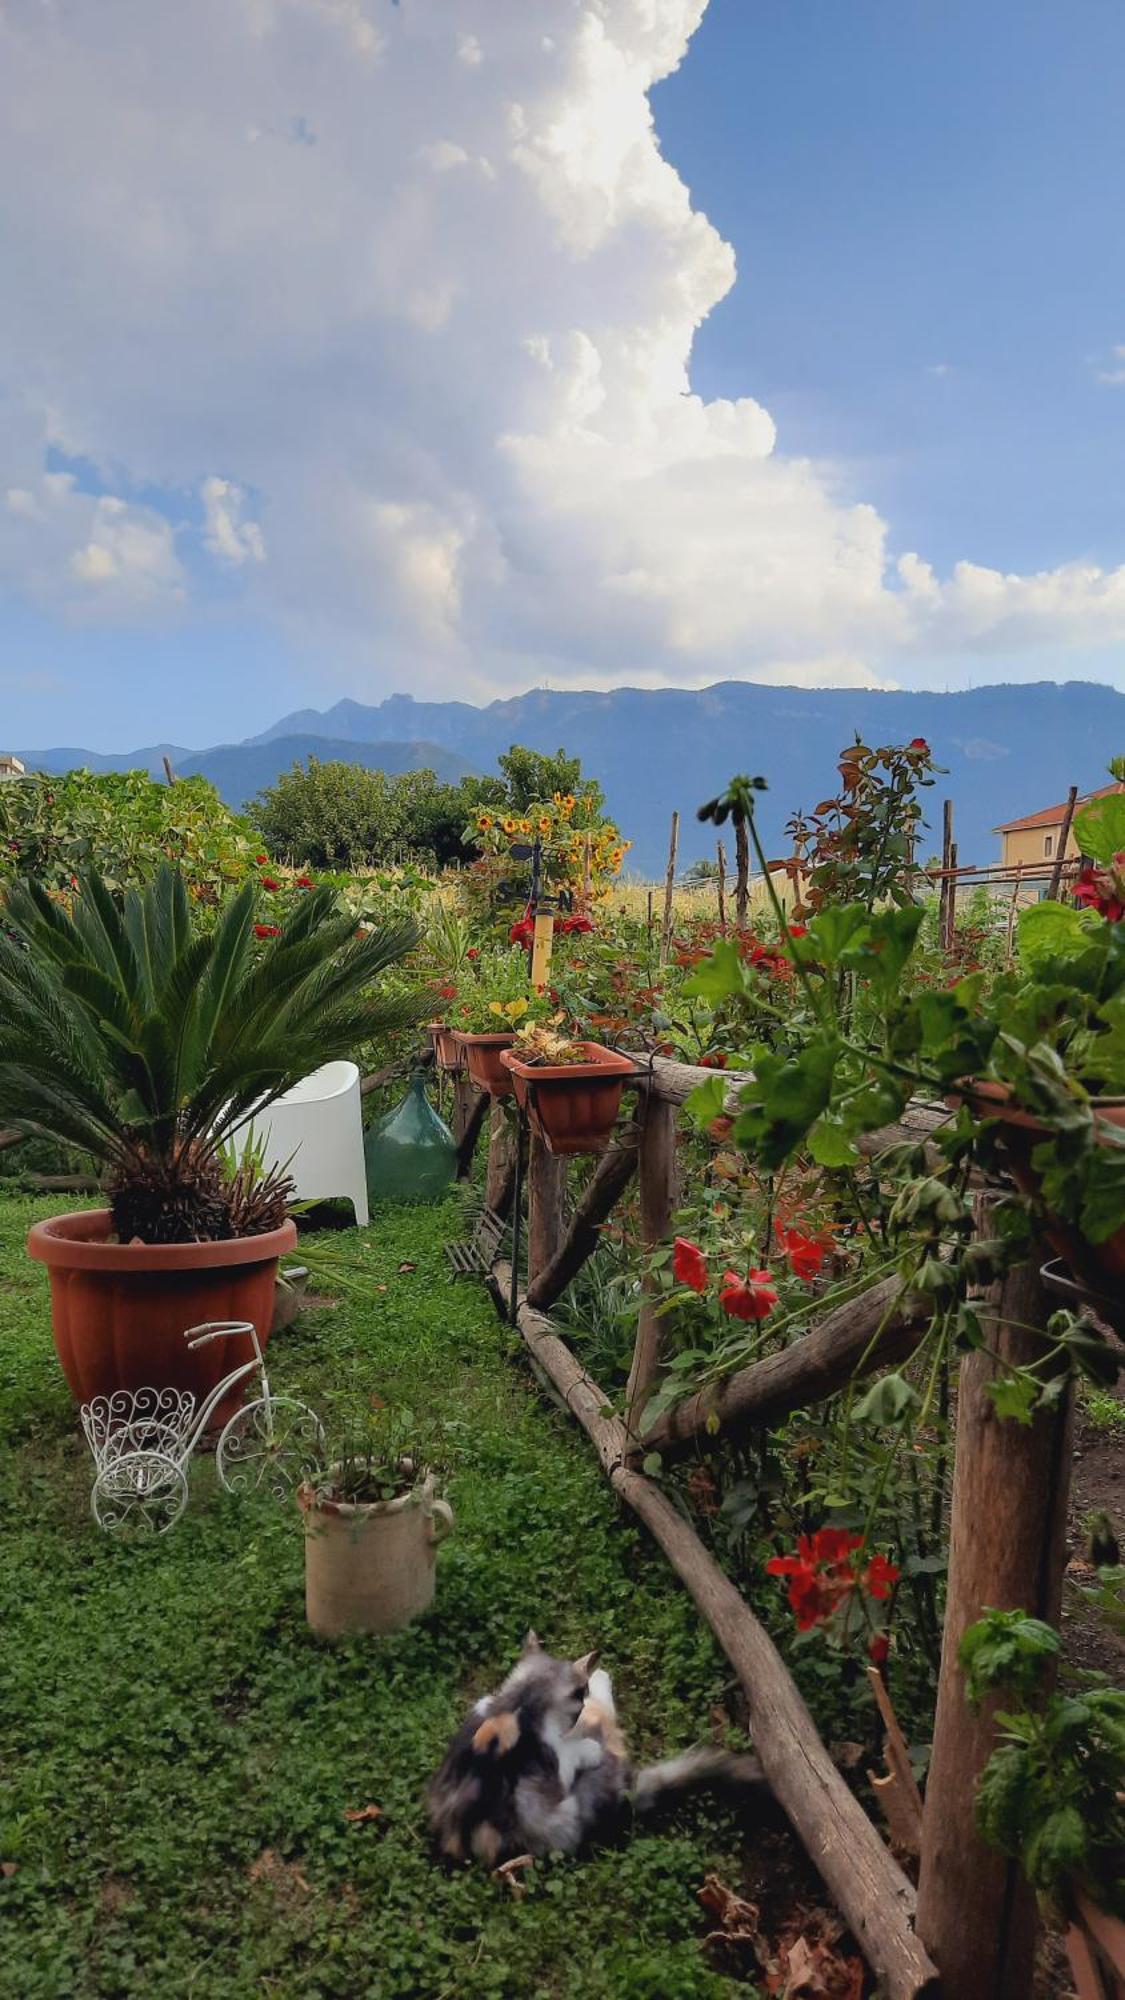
[
  {"x": 585, "y": 1666},
  {"x": 531, "y": 1642}
]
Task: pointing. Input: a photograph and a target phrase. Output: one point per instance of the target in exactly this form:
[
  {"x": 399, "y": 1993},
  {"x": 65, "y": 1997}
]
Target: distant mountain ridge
[{"x": 1009, "y": 749}]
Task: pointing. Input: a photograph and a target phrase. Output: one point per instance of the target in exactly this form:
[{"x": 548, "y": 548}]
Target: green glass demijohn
[{"x": 411, "y": 1153}]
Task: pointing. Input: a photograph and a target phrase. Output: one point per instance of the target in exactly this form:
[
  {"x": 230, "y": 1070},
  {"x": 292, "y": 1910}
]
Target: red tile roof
[{"x": 1053, "y": 815}]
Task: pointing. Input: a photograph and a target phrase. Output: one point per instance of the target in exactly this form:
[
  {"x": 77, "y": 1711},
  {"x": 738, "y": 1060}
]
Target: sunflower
[
  {"x": 484, "y": 821},
  {"x": 545, "y": 824},
  {"x": 525, "y": 826},
  {"x": 509, "y": 825}
]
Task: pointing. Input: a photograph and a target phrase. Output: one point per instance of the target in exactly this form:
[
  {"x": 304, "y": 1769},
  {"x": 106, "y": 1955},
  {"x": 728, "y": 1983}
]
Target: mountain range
[{"x": 1008, "y": 750}]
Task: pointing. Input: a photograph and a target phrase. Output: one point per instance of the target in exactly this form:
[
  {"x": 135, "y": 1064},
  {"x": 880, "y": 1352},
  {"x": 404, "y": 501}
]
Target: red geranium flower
[
  {"x": 805, "y": 1254},
  {"x": 689, "y": 1265},
  {"x": 267, "y": 930},
  {"x": 879, "y": 1575},
  {"x": 268, "y": 882},
  {"x": 1103, "y": 889},
  {"x": 304, "y": 882},
  {"x": 261, "y": 859},
  {"x": 717, "y": 1060},
  {"x": 751, "y": 1298},
  {"x": 523, "y": 933},
  {"x": 472, "y": 952},
  {"x": 447, "y": 992},
  {"x": 798, "y": 930}
]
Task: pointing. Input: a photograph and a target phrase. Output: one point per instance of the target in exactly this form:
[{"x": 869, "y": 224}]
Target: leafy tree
[
  {"x": 334, "y": 815},
  {"x": 124, "y": 824},
  {"x": 530, "y": 775}
]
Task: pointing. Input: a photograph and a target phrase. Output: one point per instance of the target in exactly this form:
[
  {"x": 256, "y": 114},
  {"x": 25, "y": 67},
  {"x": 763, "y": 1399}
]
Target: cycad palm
[{"x": 126, "y": 1031}]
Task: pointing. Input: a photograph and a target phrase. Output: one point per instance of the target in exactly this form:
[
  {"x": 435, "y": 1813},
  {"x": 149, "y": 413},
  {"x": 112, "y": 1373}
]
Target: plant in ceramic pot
[
  {"x": 132, "y": 1033},
  {"x": 373, "y": 1521},
  {"x": 570, "y": 1089},
  {"x": 490, "y": 1007}
]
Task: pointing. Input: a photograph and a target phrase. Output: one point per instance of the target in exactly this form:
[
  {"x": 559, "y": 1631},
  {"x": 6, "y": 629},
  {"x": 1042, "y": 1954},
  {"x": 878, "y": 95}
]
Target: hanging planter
[
  {"x": 1021, "y": 1132},
  {"x": 573, "y": 1104},
  {"x": 482, "y": 1055},
  {"x": 447, "y": 1051}
]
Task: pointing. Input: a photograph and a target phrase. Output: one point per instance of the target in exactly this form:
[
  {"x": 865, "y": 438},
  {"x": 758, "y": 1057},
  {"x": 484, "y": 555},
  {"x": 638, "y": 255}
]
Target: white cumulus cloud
[{"x": 420, "y": 281}]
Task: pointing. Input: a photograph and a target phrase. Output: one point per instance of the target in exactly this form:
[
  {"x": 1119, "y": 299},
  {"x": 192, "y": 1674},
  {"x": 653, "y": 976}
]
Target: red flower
[
  {"x": 472, "y": 952},
  {"x": 689, "y": 1265},
  {"x": 261, "y": 859},
  {"x": 574, "y": 925},
  {"x": 267, "y": 930},
  {"x": 717, "y": 1060},
  {"x": 304, "y": 882},
  {"x": 1103, "y": 889},
  {"x": 879, "y": 1650},
  {"x": 447, "y": 992},
  {"x": 820, "y": 1574},
  {"x": 523, "y": 933},
  {"x": 805, "y": 1254},
  {"x": 752, "y": 1298},
  {"x": 879, "y": 1575},
  {"x": 919, "y": 744},
  {"x": 268, "y": 882}
]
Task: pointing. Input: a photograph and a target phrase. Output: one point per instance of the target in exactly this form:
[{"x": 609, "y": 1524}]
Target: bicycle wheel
[
  {"x": 139, "y": 1495},
  {"x": 269, "y": 1446}
]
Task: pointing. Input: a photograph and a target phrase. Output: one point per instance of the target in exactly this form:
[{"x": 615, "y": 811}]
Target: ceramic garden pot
[
  {"x": 119, "y": 1311},
  {"x": 573, "y": 1106},
  {"x": 482, "y": 1056},
  {"x": 370, "y": 1565},
  {"x": 447, "y": 1051}
]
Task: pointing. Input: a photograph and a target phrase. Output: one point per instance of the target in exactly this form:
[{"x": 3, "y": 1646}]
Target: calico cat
[{"x": 541, "y": 1766}]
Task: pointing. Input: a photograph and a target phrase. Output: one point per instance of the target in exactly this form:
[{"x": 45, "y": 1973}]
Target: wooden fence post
[
  {"x": 722, "y": 888},
  {"x": 546, "y": 1184},
  {"x": 946, "y": 890},
  {"x": 976, "y": 1916},
  {"x": 1055, "y": 883},
  {"x": 742, "y": 876},
  {"x": 669, "y": 885},
  {"x": 501, "y": 1159},
  {"x": 657, "y": 1177}
]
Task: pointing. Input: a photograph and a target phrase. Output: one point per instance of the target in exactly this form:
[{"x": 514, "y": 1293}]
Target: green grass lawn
[{"x": 177, "y": 1752}]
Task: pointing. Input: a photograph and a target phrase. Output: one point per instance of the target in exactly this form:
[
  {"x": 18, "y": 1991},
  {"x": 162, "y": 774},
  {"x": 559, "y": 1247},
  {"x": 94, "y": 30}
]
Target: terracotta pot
[
  {"x": 1097, "y": 1263},
  {"x": 447, "y": 1053},
  {"x": 573, "y": 1106},
  {"x": 482, "y": 1054},
  {"x": 119, "y": 1310},
  {"x": 369, "y": 1565}
]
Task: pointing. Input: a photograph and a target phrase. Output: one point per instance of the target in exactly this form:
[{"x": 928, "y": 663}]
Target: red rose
[
  {"x": 267, "y": 930},
  {"x": 749, "y": 1299},
  {"x": 689, "y": 1265}
]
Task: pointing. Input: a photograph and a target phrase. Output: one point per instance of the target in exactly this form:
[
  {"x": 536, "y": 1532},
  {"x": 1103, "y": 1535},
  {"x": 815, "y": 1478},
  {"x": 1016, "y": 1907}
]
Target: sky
[{"x": 450, "y": 347}]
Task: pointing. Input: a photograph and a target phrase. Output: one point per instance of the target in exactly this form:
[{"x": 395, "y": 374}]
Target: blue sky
[
  {"x": 935, "y": 184},
  {"x": 347, "y": 349}
]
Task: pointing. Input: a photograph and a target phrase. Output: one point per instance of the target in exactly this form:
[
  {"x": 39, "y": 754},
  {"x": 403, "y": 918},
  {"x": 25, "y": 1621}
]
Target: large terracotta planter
[
  {"x": 482, "y": 1055},
  {"x": 1098, "y": 1263},
  {"x": 447, "y": 1051},
  {"x": 573, "y": 1106},
  {"x": 369, "y": 1565},
  {"x": 119, "y": 1310}
]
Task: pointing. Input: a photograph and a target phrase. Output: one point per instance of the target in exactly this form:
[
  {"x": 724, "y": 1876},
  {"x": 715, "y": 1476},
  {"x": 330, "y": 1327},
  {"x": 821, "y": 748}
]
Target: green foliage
[
  {"x": 529, "y": 775},
  {"x": 128, "y": 1031},
  {"x": 334, "y": 815},
  {"x": 179, "y": 1752},
  {"x": 1050, "y": 1795},
  {"x": 1099, "y": 828},
  {"x": 124, "y": 825}
]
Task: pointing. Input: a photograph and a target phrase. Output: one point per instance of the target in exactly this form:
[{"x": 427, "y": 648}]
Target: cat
[{"x": 541, "y": 1766}]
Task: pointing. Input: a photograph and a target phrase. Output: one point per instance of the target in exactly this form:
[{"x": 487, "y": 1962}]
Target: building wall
[{"x": 1029, "y": 845}]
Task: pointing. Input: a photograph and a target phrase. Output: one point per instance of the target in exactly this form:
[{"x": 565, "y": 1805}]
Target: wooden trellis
[{"x": 969, "y": 1916}]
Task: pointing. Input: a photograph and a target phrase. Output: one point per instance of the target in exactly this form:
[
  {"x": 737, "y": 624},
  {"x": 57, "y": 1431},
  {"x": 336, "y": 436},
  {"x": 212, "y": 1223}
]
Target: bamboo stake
[
  {"x": 976, "y": 1915},
  {"x": 669, "y": 885},
  {"x": 874, "y": 1895},
  {"x": 1064, "y": 836},
  {"x": 951, "y": 903},
  {"x": 943, "y": 893},
  {"x": 742, "y": 877},
  {"x": 722, "y": 888},
  {"x": 657, "y": 1174}
]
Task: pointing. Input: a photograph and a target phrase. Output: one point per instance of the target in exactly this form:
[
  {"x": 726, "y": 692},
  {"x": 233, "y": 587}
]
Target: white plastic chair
[{"x": 318, "y": 1128}]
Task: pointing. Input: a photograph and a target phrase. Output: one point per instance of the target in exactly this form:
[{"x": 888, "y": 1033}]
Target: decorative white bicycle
[{"x": 142, "y": 1439}]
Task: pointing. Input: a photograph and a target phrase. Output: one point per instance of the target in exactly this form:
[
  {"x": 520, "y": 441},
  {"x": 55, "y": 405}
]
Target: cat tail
[{"x": 697, "y": 1770}]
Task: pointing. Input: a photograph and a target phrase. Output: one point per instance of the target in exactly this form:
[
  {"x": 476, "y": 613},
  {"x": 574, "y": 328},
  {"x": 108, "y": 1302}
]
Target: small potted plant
[
  {"x": 130, "y": 1030},
  {"x": 488, "y": 1012},
  {"x": 373, "y": 1522},
  {"x": 571, "y": 1090}
]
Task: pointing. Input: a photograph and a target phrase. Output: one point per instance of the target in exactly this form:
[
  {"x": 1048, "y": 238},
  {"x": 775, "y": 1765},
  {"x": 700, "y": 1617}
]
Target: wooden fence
[{"x": 970, "y": 1914}]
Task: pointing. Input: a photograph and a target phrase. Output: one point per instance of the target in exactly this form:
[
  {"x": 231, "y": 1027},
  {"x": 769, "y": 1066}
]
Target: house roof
[{"x": 1053, "y": 815}]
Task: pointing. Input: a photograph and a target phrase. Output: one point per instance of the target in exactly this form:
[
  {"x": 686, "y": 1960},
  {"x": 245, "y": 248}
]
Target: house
[
  {"x": 1036, "y": 837},
  {"x": 10, "y": 766}
]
